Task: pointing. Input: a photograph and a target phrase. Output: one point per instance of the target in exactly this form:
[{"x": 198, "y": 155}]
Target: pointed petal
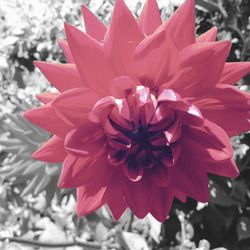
[
  {"x": 85, "y": 140},
  {"x": 150, "y": 18},
  {"x": 67, "y": 53},
  {"x": 218, "y": 51},
  {"x": 89, "y": 57},
  {"x": 47, "y": 118},
  {"x": 160, "y": 175},
  {"x": 225, "y": 168},
  {"x": 152, "y": 57},
  {"x": 181, "y": 25},
  {"x": 210, "y": 143},
  {"x": 117, "y": 203},
  {"x": 61, "y": 76},
  {"x": 180, "y": 195},
  {"x": 52, "y": 151},
  {"x": 77, "y": 171},
  {"x": 75, "y": 104},
  {"x": 96, "y": 193},
  {"x": 191, "y": 179},
  {"x": 201, "y": 67},
  {"x": 162, "y": 202},
  {"x": 138, "y": 195},
  {"x": 47, "y": 97},
  {"x": 117, "y": 207},
  {"x": 94, "y": 27},
  {"x": 224, "y": 104},
  {"x": 122, "y": 37},
  {"x": 209, "y": 36},
  {"x": 90, "y": 197},
  {"x": 234, "y": 71}
]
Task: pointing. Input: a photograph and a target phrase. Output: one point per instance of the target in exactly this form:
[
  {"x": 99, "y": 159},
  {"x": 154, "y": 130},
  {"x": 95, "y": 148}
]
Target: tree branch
[
  {"x": 212, "y": 7},
  {"x": 35, "y": 243}
]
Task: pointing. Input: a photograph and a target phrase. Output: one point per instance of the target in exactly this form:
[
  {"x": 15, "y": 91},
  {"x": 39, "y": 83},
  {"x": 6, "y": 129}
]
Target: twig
[{"x": 35, "y": 243}]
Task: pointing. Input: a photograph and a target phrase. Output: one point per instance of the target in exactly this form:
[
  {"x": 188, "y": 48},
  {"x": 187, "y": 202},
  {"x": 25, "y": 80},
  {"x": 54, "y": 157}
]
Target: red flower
[{"x": 144, "y": 111}]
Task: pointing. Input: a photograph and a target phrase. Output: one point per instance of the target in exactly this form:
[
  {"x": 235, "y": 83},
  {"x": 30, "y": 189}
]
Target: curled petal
[
  {"x": 190, "y": 114},
  {"x": 117, "y": 158},
  {"x": 173, "y": 133},
  {"x": 122, "y": 86},
  {"x": 133, "y": 170},
  {"x": 187, "y": 113},
  {"x": 102, "y": 109}
]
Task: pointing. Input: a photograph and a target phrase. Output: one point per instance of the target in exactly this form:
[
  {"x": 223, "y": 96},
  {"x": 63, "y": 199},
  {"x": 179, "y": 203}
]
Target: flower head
[{"x": 144, "y": 110}]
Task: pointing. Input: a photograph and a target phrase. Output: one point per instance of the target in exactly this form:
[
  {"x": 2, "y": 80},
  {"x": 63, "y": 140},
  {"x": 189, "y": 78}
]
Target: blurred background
[{"x": 33, "y": 210}]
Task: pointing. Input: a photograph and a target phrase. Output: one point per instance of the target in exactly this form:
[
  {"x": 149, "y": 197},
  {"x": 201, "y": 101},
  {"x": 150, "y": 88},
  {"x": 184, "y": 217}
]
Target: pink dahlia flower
[{"x": 144, "y": 110}]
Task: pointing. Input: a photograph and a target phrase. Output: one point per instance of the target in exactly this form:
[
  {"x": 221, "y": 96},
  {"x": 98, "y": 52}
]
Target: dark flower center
[{"x": 138, "y": 146}]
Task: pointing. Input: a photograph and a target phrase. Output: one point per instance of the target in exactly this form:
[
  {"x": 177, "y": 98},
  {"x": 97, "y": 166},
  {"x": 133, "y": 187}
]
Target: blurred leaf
[
  {"x": 101, "y": 232},
  {"x": 18, "y": 77},
  {"x": 132, "y": 241},
  {"x": 239, "y": 191},
  {"x": 221, "y": 196},
  {"x": 243, "y": 228},
  {"x": 155, "y": 228},
  {"x": 51, "y": 233}
]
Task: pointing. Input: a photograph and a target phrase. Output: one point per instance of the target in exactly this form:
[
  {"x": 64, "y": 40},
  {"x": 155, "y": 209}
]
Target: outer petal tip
[
  {"x": 209, "y": 36},
  {"x": 29, "y": 114}
]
